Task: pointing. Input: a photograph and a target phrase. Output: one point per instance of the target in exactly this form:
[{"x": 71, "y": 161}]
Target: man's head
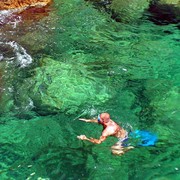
[{"x": 105, "y": 117}]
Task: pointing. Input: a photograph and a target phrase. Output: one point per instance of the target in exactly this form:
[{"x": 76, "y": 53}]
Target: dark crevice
[
  {"x": 163, "y": 14},
  {"x": 159, "y": 14},
  {"x": 146, "y": 115}
]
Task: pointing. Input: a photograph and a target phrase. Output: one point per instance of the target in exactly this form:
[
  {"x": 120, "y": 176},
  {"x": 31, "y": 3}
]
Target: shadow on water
[
  {"x": 146, "y": 118},
  {"x": 164, "y": 14}
]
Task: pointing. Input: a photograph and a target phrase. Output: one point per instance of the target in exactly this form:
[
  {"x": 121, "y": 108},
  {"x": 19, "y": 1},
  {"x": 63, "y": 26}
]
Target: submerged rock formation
[
  {"x": 162, "y": 11},
  {"x": 22, "y": 4},
  {"x": 63, "y": 87},
  {"x": 130, "y": 10}
]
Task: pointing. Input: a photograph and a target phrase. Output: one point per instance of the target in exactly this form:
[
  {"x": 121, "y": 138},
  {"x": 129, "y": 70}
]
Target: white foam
[
  {"x": 1, "y": 57},
  {"x": 23, "y": 58},
  {"x": 8, "y": 17},
  {"x": 4, "y": 14}
]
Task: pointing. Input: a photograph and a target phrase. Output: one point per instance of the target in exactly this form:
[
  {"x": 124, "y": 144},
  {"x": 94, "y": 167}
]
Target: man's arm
[
  {"x": 93, "y": 140},
  {"x": 89, "y": 120}
]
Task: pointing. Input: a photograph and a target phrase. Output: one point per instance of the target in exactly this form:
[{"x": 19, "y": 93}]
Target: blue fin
[{"x": 146, "y": 138}]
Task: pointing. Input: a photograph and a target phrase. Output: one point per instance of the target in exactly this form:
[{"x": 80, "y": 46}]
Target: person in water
[{"x": 110, "y": 128}]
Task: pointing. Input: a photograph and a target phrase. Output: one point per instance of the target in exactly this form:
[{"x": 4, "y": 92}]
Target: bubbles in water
[{"x": 30, "y": 104}]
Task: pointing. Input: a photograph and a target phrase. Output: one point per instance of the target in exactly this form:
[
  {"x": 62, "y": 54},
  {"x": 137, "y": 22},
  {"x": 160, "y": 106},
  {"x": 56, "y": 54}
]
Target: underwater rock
[
  {"x": 164, "y": 99},
  {"x": 162, "y": 11},
  {"x": 33, "y": 139},
  {"x": 42, "y": 29},
  {"x": 29, "y": 27},
  {"x": 6, "y": 102},
  {"x": 166, "y": 106},
  {"x": 129, "y": 10},
  {"x": 22, "y": 4},
  {"x": 175, "y": 2},
  {"x": 62, "y": 87}
]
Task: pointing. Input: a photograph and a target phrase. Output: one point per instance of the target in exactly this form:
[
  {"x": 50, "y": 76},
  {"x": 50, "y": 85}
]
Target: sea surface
[{"x": 72, "y": 59}]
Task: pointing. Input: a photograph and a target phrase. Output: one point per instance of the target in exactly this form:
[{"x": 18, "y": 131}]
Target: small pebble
[
  {"x": 32, "y": 174},
  {"x": 124, "y": 69}
]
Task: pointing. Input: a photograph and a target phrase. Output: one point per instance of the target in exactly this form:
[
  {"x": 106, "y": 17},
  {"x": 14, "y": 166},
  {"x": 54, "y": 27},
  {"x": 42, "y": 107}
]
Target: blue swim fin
[{"x": 146, "y": 138}]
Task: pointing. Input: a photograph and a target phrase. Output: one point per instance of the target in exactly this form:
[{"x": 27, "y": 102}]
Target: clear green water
[{"x": 78, "y": 62}]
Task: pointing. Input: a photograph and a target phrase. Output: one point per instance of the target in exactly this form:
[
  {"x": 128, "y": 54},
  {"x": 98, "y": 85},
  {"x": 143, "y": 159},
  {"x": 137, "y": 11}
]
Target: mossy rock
[
  {"x": 130, "y": 10},
  {"x": 59, "y": 87}
]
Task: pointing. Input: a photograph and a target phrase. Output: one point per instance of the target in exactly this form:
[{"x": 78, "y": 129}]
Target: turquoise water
[{"x": 73, "y": 60}]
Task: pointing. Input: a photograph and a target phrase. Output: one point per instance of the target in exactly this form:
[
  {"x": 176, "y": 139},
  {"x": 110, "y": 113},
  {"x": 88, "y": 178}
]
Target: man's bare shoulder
[
  {"x": 109, "y": 130},
  {"x": 113, "y": 123}
]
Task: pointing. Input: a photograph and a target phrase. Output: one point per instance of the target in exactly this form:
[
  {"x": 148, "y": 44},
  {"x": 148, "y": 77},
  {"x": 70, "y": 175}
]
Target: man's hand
[
  {"x": 89, "y": 120},
  {"x": 82, "y": 119},
  {"x": 82, "y": 137}
]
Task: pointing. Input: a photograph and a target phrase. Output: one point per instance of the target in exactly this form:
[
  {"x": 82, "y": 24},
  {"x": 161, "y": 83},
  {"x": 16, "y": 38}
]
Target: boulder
[
  {"x": 63, "y": 87},
  {"x": 129, "y": 10},
  {"x": 175, "y": 2},
  {"x": 22, "y": 4}
]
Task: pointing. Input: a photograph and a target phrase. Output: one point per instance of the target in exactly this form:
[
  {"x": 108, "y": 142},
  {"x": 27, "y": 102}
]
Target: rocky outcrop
[
  {"x": 129, "y": 10},
  {"x": 22, "y": 4},
  {"x": 165, "y": 11},
  {"x": 124, "y": 11},
  {"x": 162, "y": 11},
  {"x": 175, "y": 2},
  {"x": 63, "y": 87}
]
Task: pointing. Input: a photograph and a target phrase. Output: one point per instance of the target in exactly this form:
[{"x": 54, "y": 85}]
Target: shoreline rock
[{"x": 22, "y": 4}]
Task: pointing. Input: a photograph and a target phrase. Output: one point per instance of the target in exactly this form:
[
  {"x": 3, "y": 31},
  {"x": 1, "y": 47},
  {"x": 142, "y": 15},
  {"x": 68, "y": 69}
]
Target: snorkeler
[{"x": 110, "y": 128}]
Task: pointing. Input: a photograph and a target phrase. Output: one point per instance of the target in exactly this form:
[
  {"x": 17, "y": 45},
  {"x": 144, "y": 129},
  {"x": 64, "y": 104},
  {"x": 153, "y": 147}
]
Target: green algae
[
  {"x": 130, "y": 11},
  {"x": 94, "y": 65},
  {"x": 56, "y": 86}
]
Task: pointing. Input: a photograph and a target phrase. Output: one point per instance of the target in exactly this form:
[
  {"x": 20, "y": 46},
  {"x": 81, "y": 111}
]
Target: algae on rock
[
  {"x": 130, "y": 10},
  {"x": 58, "y": 86}
]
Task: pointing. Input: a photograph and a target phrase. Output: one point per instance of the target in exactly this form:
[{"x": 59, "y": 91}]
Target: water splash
[
  {"x": 9, "y": 17},
  {"x": 22, "y": 57}
]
